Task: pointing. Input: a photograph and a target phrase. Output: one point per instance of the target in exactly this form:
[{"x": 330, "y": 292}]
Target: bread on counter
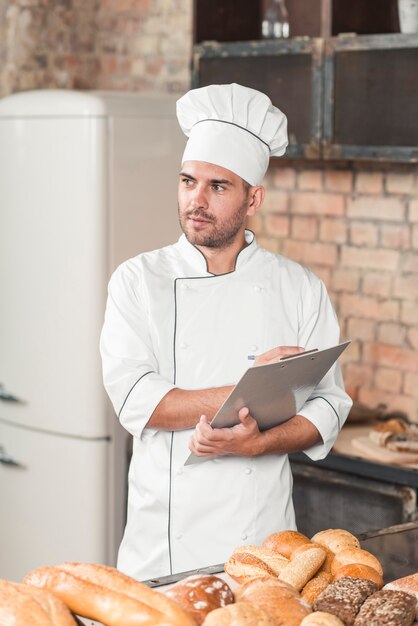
[
  {"x": 387, "y": 608},
  {"x": 242, "y": 566},
  {"x": 285, "y": 542},
  {"x": 336, "y": 539},
  {"x": 319, "y": 618},
  {"x": 358, "y": 570},
  {"x": 239, "y": 614},
  {"x": 23, "y": 604},
  {"x": 409, "y": 584},
  {"x": 315, "y": 586},
  {"x": 273, "y": 559},
  {"x": 283, "y": 604},
  {"x": 199, "y": 595},
  {"x": 355, "y": 555},
  {"x": 104, "y": 594},
  {"x": 344, "y": 598},
  {"x": 304, "y": 563}
]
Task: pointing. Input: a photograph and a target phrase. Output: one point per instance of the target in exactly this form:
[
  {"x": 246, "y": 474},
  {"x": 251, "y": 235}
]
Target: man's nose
[{"x": 199, "y": 198}]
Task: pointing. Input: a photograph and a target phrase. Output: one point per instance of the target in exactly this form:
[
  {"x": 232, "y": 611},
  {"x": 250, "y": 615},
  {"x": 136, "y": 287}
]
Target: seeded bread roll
[
  {"x": 355, "y": 555},
  {"x": 336, "y": 539},
  {"x": 319, "y": 618},
  {"x": 304, "y": 563},
  {"x": 199, "y": 595},
  {"x": 242, "y": 566},
  {"x": 239, "y": 614},
  {"x": 315, "y": 586},
  {"x": 344, "y": 598},
  {"x": 285, "y": 542},
  {"x": 22, "y": 604},
  {"x": 387, "y": 608},
  {"x": 408, "y": 584},
  {"x": 286, "y": 607},
  {"x": 357, "y": 570},
  {"x": 273, "y": 559}
]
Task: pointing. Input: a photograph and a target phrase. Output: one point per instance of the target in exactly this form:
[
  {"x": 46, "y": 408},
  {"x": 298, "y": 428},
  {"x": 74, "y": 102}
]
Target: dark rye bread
[
  {"x": 387, "y": 608},
  {"x": 344, "y": 598}
]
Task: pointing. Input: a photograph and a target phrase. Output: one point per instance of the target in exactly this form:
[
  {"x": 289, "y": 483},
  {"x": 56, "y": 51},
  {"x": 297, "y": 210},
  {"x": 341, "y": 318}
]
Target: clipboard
[{"x": 275, "y": 392}]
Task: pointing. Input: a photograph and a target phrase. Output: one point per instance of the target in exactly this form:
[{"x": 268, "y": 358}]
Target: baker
[{"x": 179, "y": 326}]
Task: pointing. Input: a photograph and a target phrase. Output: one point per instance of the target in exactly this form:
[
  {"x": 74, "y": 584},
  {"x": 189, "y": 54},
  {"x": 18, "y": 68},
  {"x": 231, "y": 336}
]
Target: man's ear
[{"x": 255, "y": 199}]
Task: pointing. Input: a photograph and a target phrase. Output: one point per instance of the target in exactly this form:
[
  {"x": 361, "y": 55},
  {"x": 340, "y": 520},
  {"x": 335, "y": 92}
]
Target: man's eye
[
  {"x": 218, "y": 188},
  {"x": 186, "y": 181}
]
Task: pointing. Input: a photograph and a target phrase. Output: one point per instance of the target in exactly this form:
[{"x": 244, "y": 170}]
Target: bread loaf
[
  {"x": 344, "y": 598},
  {"x": 387, "y": 608},
  {"x": 199, "y": 595},
  {"x": 283, "y": 589},
  {"x": 285, "y": 542},
  {"x": 355, "y": 555},
  {"x": 315, "y": 586},
  {"x": 319, "y": 618},
  {"x": 286, "y": 607},
  {"x": 112, "y": 598},
  {"x": 304, "y": 563},
  {"x": 408, "y": 584},
  {"x": 336, "y": 539},
  {"x": 273, "y": 559},
  {"x": 357, "y": 570},
  {"x": 242, "y": 566},
  {"x": 22, "y": 604},
  {"x": 239, "y": 614}
]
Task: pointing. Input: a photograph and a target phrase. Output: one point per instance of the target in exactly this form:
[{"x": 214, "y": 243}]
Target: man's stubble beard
[{"x": 219, "y": 237}]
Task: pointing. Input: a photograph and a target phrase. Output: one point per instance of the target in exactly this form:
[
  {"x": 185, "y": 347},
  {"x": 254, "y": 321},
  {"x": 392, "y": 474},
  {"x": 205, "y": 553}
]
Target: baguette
[
  {"x": 113, "y": 579},
  {"x": 315, "y": 586},
  {"x": 23, "y": 604},
  {"x": 101, "y": 603}
]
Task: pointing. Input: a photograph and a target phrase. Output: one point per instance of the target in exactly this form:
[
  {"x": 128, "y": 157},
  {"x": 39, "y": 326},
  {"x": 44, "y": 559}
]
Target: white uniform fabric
[
  {"x": 233, "y": 126},
  {"x": 170, "y": 323}
]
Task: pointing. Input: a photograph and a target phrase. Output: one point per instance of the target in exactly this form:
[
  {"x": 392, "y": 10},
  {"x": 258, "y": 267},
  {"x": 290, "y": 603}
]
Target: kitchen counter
[{"x": 346, "y": 459}]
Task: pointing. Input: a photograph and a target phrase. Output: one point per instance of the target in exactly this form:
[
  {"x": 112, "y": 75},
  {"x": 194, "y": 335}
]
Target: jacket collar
[{"x": 197, "y": 260}]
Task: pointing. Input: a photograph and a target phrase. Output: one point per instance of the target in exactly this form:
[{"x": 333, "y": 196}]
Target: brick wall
[
  {"x": 95, "y": 44},
  {"x": 357, "y": 228}
]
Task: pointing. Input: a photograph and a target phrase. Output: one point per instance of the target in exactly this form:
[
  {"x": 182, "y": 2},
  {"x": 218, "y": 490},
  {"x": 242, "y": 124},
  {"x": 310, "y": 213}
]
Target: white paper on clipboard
[{"x": 275, "y": 392}]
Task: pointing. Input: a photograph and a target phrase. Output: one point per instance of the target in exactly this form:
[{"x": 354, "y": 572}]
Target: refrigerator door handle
[
  {"x": 6, "y": 396},
  {"x": 8, "y": 460}
]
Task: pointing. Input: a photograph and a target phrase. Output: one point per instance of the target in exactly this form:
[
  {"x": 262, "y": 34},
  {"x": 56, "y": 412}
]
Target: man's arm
[
  {"x": 245, "y": 439},
  {"x": 180, "y": 409}
]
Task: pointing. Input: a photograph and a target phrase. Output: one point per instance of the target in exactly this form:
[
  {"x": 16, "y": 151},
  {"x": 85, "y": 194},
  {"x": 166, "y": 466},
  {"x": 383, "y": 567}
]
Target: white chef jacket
[{"x": 170, "y": 323}]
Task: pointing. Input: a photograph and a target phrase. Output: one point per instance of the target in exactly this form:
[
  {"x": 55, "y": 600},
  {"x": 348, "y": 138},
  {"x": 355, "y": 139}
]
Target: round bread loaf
[
  {"x": 358, "y": 570},
  {"x": 319, "y": 618},
  {"x": 273, "y": 559},
  {"x": 285, "y": 607},
  {"x": 242, "y": 566},
  {"x": 239, "y": 614},
  {"x": 199, "y": 595},
  {"x": 355, "y": 555},
  {"x": 283, "y": 589},
  {"x": 336, "y": 539},
  {"x": 315, "y": 586},
  {"x": 285, "y": 542}
]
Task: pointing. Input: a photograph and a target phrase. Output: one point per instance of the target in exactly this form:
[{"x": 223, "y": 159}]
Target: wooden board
[{"x": 371, "y": 450}]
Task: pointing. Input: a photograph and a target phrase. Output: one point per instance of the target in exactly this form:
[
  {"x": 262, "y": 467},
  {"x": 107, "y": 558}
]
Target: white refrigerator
[{"x": 87, "y": 180}]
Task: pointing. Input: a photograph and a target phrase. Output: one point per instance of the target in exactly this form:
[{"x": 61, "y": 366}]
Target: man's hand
[
  {"x": 275, "y": 354},
  {"x": 240, "y": 440}
]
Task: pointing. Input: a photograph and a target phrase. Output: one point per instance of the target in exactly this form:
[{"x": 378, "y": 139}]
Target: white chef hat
[{"x": 232, "y": 126}]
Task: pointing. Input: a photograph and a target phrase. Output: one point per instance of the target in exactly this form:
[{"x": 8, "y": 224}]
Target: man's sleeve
[
  {"x": 329, "y": 405},
  {"x": 130, "y": 368}
]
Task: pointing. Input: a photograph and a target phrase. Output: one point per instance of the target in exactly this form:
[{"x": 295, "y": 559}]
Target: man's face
[{"x": 213, "y": 204}]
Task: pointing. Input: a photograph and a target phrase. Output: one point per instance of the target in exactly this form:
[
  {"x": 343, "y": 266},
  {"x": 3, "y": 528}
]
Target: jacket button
[
  {"x": 178, "y": 536},
  {"x": 183, "y": 345},
  {"x": 244, "y": 536},
  {"x": 257, "y": 288},
  {"x": 253, "y": 348},
  {"x": 248, "y": 470},
  {"x": 179, "y": 472}
]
